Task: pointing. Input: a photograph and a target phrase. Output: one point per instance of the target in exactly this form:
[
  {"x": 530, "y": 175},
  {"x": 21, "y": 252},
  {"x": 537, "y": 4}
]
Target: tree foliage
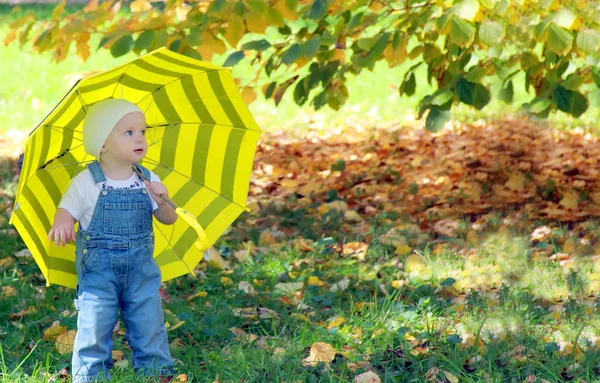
[{"x": 317, "y": 43}]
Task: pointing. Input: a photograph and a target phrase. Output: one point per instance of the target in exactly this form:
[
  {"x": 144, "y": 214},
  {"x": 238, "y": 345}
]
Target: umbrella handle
[{"x": 202, "y": 242}]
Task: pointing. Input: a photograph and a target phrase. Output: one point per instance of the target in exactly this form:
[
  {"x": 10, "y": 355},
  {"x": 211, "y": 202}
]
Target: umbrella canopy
[{"x": 201, "y": 143}]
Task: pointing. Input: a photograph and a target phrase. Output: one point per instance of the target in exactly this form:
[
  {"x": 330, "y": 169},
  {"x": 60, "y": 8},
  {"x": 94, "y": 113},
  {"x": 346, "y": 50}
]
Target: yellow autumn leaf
[
  {"x": 414, "y": 262},
  {"x": 256, "y": 23},
  {"x": 288, "y": 14},
  {"x": 398, "y": 283},
  {"x": 395, "y": 56},
  {"x": 226, "y": 281},
  {"x": 248, "y": 95},
  {"x": 320, "y": 352},
  {"x": 451, "y": 378},
  {"x": 216, "y": 260},
  {"x": 200, "y": 294},
  {"x": 55, "y": 330},
  {"x": 352, "y": 216},
  {"x": 356, "y": 249},
  {"x": 301, "y": 317},
  {"x": 140, "y": 6},
  {"x": 8, "y": 291},
  {"x": 315, "y": 281},
  {"x": 117, "y": 355},
  {"x": 335, "y": 322},
  {"x": 570, "y": 200},
  {"x": 235, "y": 30},
  {"x": 64, "y": 342},
  {"x": 515, "y": 182},
  {"x": 402, "y": 249}
]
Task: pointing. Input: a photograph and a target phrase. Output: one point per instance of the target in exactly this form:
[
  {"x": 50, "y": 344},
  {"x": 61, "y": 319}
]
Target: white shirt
[{"x": 82, "y": 194}]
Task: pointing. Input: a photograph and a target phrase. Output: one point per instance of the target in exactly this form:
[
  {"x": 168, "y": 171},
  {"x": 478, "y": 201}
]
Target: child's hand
[
  {"x": 156, "y": 189},
  {"x": 63, "y": 228}
]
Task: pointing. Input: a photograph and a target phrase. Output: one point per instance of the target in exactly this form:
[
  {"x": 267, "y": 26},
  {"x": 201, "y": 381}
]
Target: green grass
[
  {"x": 32, "y": 84},
  {"x": 496, "y": 294}
]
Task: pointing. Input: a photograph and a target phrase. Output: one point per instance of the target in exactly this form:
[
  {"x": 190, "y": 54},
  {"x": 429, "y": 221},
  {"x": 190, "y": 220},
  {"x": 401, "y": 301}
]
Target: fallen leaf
[
  {"x": 451, "y": 378},
  {"x": 265, "y": 313},
  {"x": 247, "y": 288},
  {"x": 8, "y": 291},
  {"x": 117, "y": 355},
  {"x": 352, "y": 216},
  {"x": 402, "y": 249},
  {"x": 64, "y": 342},
  {"x": 288, "y": 288},
  {"x": 315, "y": 281},
  {"x": 356, "y": 249},
  {"x": 226, "y": 281},
  {"x": 216, "y": 260},
  {"x": 7, "y": 263},
  {"x": 320, "y": 352},
  {"x": 570, "y": 200},
  {"x": 367, "y": 377},
  {"x": 55, "y": 330},
  {"x": 28, "y": 311},
  {"x": 200, "y": 294},
  {"x": 335, "y": 322},
  {"x": 341, "y": 285},
  {"x": 414, "y": 262}
]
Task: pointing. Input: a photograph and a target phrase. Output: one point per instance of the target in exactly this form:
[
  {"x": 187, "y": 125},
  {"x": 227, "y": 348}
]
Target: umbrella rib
[
  {"x": 194, "y": 181},
  {"x": 121, "y": 78}
]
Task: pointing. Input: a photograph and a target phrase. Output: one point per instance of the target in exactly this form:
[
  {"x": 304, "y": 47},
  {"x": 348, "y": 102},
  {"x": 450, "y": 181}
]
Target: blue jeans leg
[
  {"x": 92, "y": 349},
  {"x": 143, "y": 316}
]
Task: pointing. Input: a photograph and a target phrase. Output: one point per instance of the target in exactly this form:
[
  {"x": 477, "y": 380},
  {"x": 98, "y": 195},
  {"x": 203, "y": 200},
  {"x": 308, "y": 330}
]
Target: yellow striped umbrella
[{"x": 201, "y": 143}]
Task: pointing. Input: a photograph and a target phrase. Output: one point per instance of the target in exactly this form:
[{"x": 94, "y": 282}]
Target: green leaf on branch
[
  {"x": 570, "y": 101},
  {"x": 256, "y": 6},
  {"x": 588, "y": 40},
  {"x": 318, "y": 10},
  {"x": 292, "y": 54},
  {"x": 274, "y": 17},
  {"x": 466, "y": 9},
  {"x": 310, "y": 47},
  {"x": 270, "y": 89},
  {"x": 538, "y": 105},
  {"x": 471, "y": 93},
  {"x": 234, "y": 58},
  {"x": 491, "y": 32},
  {"x": 300, "y": 92},
  {"x": 574, "y": 81},
  {"x": 257, "y": 45},
  {"x": 559, "y": 40},
  {"x": 441, "y": 97},
  {"x": 122, "y": 46},
  {"x": 462, "y": 32},
  {"x": 436, "y": 119},
  {"x": 144, "y": 41},
  {"x": 408, "y": 85},
  {"x": 507, "y": 93}
]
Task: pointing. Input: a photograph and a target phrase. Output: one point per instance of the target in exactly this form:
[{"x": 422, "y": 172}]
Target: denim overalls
[{"x": 115, "y": 269}]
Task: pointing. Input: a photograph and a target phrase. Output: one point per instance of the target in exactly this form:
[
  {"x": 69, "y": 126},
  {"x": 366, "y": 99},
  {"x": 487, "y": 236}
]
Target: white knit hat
[{"x": 100, "y": 120}]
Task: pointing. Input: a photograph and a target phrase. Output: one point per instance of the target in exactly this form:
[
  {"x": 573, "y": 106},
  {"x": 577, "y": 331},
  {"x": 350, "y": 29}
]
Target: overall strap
[
  {"x": 144, "y": 171},
  {"x": 96, "y": 171}
]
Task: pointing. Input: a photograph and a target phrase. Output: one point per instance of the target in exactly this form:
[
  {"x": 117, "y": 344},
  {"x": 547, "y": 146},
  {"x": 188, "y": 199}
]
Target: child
[{"x": 114, "y": 244}]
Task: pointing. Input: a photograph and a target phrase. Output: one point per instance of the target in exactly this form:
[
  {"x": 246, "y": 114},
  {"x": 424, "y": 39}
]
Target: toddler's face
[{"x": 127, "y": 141}]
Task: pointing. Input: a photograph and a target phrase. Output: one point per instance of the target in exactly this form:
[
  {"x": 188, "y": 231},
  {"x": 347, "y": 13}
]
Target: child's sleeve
[{"x": 73, "y": 201}]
